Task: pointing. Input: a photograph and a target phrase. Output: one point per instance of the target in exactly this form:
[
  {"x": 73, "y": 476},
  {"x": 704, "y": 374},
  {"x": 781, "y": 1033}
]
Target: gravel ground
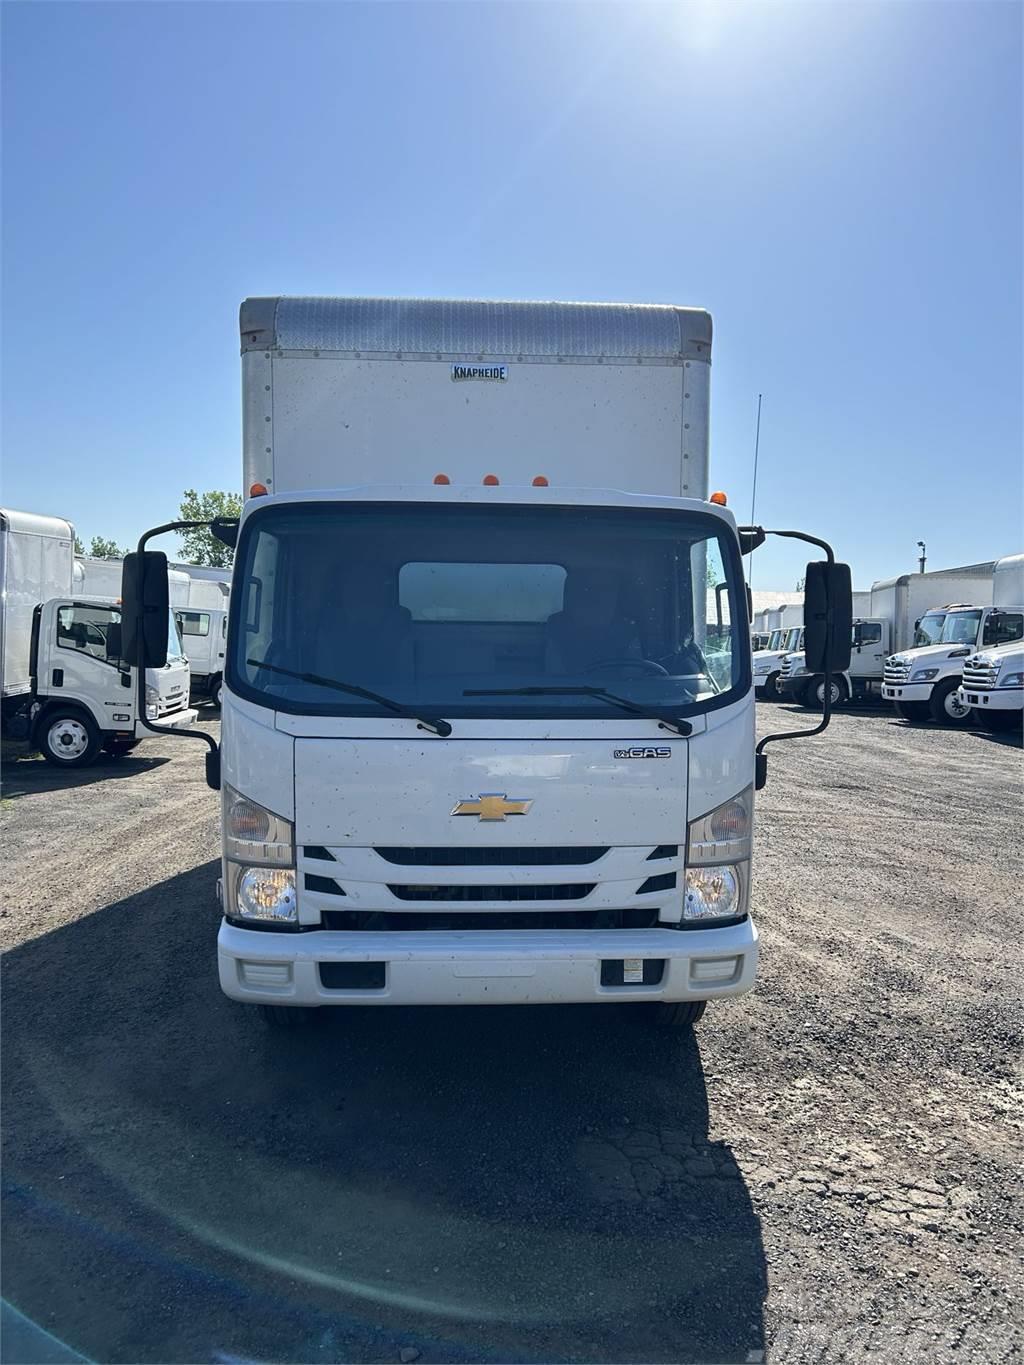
[{"x": 824, "y": 1171}]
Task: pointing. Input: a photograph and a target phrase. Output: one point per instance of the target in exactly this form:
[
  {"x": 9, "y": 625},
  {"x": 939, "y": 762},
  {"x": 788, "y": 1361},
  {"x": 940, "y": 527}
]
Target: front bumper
[
  {"x": 908, "y": 691},
  {"x": 790, "y": 687},
  {"x": 500, "y": 967},
  {"x": 992, "y": 699},
  {"x": 176, "y": 720}
]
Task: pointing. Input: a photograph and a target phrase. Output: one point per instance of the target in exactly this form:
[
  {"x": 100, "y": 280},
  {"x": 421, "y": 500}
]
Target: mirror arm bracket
[
  {"x": 760, "y": 757},
  {"x": 213, "y": 757}
]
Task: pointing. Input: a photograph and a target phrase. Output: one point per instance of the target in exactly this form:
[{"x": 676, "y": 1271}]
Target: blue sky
[{"x": 840, "y": 185}]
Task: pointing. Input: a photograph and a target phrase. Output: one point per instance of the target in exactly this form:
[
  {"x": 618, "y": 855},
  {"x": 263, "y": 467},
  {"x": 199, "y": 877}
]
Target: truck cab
[
  {"x": 993, "y": 686},
  {"x": 862, "y": 680},
  {"x": 84, "y": 693},
  {"x": 924, "y": 682},
  {"x": 767, "y": 663},
  {"x": 204, "y": 634}
]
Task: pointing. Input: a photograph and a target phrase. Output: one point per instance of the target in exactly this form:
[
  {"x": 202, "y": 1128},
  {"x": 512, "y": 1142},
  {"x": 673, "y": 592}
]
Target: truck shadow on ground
[
  {"x": 492, "y": 1184},
  {"x": 33, "y": 774}
]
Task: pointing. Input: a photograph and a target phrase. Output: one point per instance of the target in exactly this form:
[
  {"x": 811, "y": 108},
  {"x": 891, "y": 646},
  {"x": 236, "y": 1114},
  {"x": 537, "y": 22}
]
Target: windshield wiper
[
  {"x": 667, "y": 722},
  {"x": 437, "y": 727}
]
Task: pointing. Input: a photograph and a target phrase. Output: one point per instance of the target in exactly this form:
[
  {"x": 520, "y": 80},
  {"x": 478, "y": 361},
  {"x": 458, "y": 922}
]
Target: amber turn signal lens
[
  {"x": 491, "y": 480},
  {"x": 441, "y": 478},
  {"x": 719, "y": 498},
  {"x": 540, "y": 481},
  {"x": 257, "y": 490}
]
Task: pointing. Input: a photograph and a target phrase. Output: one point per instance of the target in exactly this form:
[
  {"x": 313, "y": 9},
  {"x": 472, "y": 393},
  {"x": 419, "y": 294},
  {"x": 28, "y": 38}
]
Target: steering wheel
[{"x": 647, "y": 668}]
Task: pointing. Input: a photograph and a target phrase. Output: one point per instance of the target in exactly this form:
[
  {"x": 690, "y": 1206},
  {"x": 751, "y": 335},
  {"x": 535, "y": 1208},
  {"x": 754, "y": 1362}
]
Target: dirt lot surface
[{"x": 826, "y": 1170}]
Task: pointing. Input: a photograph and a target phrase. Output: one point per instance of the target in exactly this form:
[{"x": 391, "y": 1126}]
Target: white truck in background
[
  {"x": 487, "y": 719},
  {"x": 65, "y": 685},
  {"x": 923, "y": 682},
  {"x": 204, "y": 626},
  {"x": 767, "y": 663},
  {"x": 992, "y": 687},
  {"x": 95, "y": 577}
]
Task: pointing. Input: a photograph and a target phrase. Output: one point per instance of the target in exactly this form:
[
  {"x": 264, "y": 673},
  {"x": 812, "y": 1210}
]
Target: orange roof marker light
[
  {"x": 719, "y": 498},
  {"x": 491, "y": 480},
  {"x": 441, "y": 478},
  {"x": 540, "y": 481},
  {"x": 257, "y": 490}
]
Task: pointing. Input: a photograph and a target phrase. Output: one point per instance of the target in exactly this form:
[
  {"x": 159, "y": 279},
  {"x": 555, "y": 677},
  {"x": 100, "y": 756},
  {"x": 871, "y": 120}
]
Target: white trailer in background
[
  {"x": 204, "y": 626},
  {"x": 65, "y": 685},
  {"x": 986, "y": 611},
  {"x": 95, "y": 577}
]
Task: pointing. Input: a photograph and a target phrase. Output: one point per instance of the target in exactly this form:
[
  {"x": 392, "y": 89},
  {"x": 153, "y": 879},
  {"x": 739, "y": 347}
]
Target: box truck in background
[
  {"x": 767, "y": 663},
  {"x": 488, "y": 723},
  {"x": 992, "y": 687},
  {"x": 66, "y": 686},
  {"x": 985, "y": 610},
  {"x": 204, "y": 627}
]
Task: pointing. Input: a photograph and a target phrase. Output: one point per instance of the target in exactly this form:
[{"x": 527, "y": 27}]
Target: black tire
[
  {"x": 117, "y": 748},
  {"x": 677, "y": 1013},
  {"x": 999, "y": 722},
  {"x": 68, "y": 738},
  {"x": 287, "y": 1016},
  {"x": 814, "y": 694},
  {"x": 215, "y": 694},
  {"x": 913, "y": 712},
  {"x": 944, "y": 706},
  {"x": 771, "y": 687}
]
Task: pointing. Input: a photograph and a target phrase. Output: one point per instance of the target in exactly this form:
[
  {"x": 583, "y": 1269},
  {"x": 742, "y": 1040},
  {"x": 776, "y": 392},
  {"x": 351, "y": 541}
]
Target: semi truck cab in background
[
  {"x": 488, "y": 712},
  {"x": 767, "y": 663},
  {"x": 924, "y": 682},
  {"x": 993, "y": 686}
]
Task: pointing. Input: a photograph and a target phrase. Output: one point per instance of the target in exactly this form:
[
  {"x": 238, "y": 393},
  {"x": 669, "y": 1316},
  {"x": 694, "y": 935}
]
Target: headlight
[
  {"x": 265, "y": 893},
  {"x": 253, "y": 834},
  {"x": 712, "y": 893},
  {"x": 1012, "y": 680},
  {"x": 923, "y": 674}
]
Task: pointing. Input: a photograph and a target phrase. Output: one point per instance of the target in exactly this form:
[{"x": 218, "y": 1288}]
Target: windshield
[
  {"x": 794, "y": 638},
  {"x": 929, "y": 629},
  {"x": 423, "y": 604},
  {"x": 174, "y": 649},
  {"x": 960, "y": 628},
  {"x": 777, "y": 637}
]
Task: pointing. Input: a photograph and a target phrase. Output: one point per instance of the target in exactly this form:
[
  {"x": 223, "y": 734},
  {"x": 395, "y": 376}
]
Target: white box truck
[
  {"x": 66, "y": 686},
  {"x": 767, "y": 662},
  {"x": 988, "y": 610},
  {"x": 488, "y": 726},
  {"x": 204, "y": 627}
]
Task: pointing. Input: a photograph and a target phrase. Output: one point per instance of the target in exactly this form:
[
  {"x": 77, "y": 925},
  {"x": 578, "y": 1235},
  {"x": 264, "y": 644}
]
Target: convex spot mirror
[
  {"x": 828, "y": 616},
  {"x": 144, "y": 594}
]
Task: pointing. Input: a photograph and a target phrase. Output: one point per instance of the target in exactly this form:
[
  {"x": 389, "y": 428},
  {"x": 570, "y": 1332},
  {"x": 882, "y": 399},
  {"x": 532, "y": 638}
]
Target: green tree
[
  {"x": 101, "y": 548},
  {"x": 79, "y": 547},
  {"x": 200, "y": 546}
]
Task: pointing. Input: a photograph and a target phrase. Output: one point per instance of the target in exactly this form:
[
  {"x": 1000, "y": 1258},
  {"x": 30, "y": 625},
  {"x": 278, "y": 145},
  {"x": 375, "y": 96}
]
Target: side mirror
[
  {"x": 828, "y": 617},
  {"x": 114, "y": 643},
  {"x": 144, "y": 608}
]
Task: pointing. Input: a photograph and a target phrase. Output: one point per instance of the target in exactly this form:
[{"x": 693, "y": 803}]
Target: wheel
[
  {"x": 771, "y": 687},
  {"x": 69, "y": 739},
  {"x": 999, "y": 721},
  {"x": 913, "y": 712},
  {"x": 287, "y": 1016},
  {"x": 215, "y": 694},
  {"x": 802, "y": 696},
  {"x": 117, "y": 748},
  {"x": 678, "y": 1013},
  {"x": 946, "y": 707},
  {"x": 816, "y": 693}
]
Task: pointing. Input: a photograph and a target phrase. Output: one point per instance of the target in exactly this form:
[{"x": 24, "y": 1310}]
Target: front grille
[
  {"x": 983, "y": 676},
  {"x": 490, "y": 857},
  {"x": 895, "y": 674},
  {"x": 565, "y": 892},
  {"x": 404, "y": 921},
  {"x": 786, "y": 669}
]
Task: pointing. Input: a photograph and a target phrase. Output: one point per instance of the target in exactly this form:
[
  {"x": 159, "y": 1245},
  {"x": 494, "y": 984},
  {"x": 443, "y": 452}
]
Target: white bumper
[
  {"x": 908, "y": 691},
  {"x": 992, "y": 698},
  {"x": 500, "y": 967},
  {"x": 177, "y": 720}
]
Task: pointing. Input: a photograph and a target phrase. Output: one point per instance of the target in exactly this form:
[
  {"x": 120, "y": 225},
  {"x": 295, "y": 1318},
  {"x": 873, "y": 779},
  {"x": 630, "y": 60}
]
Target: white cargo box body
[
  {"x": 1008, "y": 581},
  {"x": 37, "y": 562},
  {"x": 903, "y": 601},
  {"x": 94, "y": 577},
  {"x": 208, "y": 588},
  {"x": 345, "y": 392}
]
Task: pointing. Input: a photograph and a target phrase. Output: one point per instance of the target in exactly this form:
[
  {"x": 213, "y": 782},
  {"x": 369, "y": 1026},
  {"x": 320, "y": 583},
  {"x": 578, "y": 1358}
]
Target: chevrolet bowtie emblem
[{"x": 492, "y": 806}]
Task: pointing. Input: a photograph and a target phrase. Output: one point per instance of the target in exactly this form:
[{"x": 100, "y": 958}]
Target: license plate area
[{"x": 630, "y": 971}]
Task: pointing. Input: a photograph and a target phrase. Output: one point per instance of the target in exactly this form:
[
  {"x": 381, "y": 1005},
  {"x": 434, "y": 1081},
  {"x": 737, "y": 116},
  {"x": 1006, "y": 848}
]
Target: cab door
[
  {"x": 870, "y": 646},
  {"x": 80, "y": 660}
]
